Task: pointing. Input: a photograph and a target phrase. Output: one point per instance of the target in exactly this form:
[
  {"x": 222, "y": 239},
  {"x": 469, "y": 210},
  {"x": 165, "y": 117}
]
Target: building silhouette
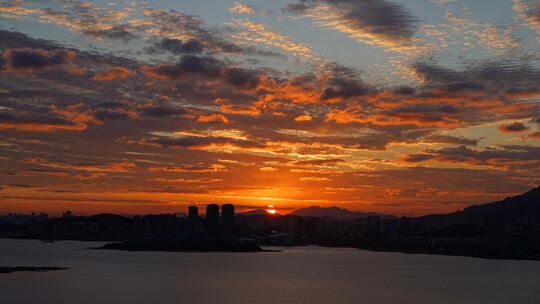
[
  {"x": 193, "y": 218},
  {"x": 227, "y": 219},
  {"x": 212, "y": 219},
  {"x": 193, "y": 213}
]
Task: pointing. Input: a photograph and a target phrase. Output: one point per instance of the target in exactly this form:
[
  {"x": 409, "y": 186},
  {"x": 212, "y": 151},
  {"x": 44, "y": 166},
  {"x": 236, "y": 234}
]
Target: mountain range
[
  {"x": 525, "y": 205},
  {"x": 334, "y": 212}
]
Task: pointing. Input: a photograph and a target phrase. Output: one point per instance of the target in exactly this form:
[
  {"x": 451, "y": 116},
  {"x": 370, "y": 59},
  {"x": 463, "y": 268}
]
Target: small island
[
  {"x": 184, "y": 246},
  {"x": 33, "y": 269}
]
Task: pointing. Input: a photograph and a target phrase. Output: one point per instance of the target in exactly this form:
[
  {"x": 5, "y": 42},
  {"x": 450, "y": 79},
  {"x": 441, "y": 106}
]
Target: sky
[{"x": 398, "y": 107}]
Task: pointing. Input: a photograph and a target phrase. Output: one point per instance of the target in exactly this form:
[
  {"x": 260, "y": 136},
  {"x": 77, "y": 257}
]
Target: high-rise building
[
  {"x": 227, "y": 219},
  {"x": 193, "y": 213},
  {"x": 212, "y": 219},
  {"x": 193, "y": 218}
]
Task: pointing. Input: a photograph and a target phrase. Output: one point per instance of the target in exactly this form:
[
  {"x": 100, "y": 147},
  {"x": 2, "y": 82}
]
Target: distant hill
[
  {"x": 525, "y": 205},
  {"x": 254, "y": 212},
  {"x": 334, "y": 212}
]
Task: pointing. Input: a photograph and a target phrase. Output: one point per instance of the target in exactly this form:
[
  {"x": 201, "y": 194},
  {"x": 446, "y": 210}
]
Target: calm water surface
[{"x": 295, "y": 275}]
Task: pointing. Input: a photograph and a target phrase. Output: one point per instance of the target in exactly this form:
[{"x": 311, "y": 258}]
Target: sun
[{"x": 271, "y": 210}]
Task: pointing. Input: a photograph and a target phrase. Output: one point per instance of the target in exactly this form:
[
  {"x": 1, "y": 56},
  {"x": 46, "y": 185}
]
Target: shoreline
[
  {"x": 182, "y": 246},
  {"x": 29, "y": 269},
  {"x": 260, "y": 249},
  {"x": 471, "y": 255}
]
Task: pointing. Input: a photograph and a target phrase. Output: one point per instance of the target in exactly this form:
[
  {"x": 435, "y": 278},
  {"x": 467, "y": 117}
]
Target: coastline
[
  {"x": 470, "y": 255},
  {"x": 117, "y": 245},
  {"x": 183, "y": 246},
  {"x": 29, "y": 269}
]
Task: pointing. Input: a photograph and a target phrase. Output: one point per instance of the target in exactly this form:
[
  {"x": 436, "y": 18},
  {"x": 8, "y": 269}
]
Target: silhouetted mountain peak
[{"x": 526, "y": 205}]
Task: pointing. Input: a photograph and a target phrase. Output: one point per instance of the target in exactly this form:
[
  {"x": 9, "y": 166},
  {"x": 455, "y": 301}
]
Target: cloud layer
[{"x": 247, "y": 113}]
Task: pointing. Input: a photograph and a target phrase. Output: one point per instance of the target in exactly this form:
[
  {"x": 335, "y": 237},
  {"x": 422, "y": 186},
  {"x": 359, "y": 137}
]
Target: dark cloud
[
  {"x": 344, "y": 88},
  {"x": 515, "y": 127},
  {"x": 448, "y": 139},
  {"x": 188, "y": 65},
  {"x": 36, "y": 59},
  {"x": 112, "y": 115},
  {"x": 6, "y": 117},
  {"x": 117, "y": 32},
  {"x": 35, "y": 171},
  {"x": 320, "y": 162},
  {"x": 301, "y": 7},
  {"x": 464, "y": 86},
  {"x": 388, "y": 21},
  {"x": 110, "y": 105},
  {"x": 419, "y": 157},
  {"x": 21, "y": 186},
  {"x": 404, "y": 91},
  {"x": 176, "y": 46},
  {"x": 207, "y": 67},
  {"x": 242, "y": 78},
  {"x": 522, "y": 157},
  {"x": 201, "y": 142},
  {"x": 427, "y": 108},
  {"x": 162, "y": 111},
  {"x": 36, "y": 122},
  {"x": 12, "y": 39},
  {"x": 169, "y": 23},
  {"x": 499, "y": 74}
]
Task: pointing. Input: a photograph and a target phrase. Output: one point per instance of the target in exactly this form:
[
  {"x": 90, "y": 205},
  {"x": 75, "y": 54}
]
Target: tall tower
[
  {"x": 227, "y": 219},
  {"x": 193, "y": 213},
  {"x": 193, "y": 218},
  {"x": 212, "y": 219}
]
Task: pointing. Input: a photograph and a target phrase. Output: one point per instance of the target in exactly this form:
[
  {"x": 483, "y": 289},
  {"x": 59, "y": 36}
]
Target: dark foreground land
[
  {"x": 184, "y": 245},
  {"x": 507, "y": 229},
  {"x": 33, "y": 269}
]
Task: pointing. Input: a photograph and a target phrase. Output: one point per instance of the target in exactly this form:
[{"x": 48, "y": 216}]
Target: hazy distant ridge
[{"x": 334, "y": 212}]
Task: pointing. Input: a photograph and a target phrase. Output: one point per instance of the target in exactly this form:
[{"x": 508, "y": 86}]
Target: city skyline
[{"x": 147, "y": 107}]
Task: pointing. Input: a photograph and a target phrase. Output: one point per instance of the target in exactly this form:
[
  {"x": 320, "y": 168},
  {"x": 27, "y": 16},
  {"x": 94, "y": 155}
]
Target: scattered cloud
[
  {"x": 515, "y": 127},
  {"x": 382, "y": 22}
]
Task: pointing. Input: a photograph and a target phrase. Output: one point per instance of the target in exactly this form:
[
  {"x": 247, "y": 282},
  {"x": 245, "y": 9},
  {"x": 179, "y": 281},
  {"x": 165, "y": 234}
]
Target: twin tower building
[{"x": 213, "y": 224}]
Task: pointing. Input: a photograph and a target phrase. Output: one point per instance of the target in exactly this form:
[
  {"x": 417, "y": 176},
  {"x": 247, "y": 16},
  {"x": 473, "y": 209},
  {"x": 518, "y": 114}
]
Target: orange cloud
[
  {"x": 213, "y": 118},
  {"x": 190, "y": 169},
  {"x": 182, "y": 180},
  {"x": 112, "y": 74},
  {"x": 303, "y": 118},
  {"x": 113, "y": 167},
  {"x": 268, "y": 169},
  {"x": 41, "y": 127},
  {"x": 240, "y": 109},
  {"x": 535, "y": 135},
  {"x": 93, "y": 175},
  {"x": 355, "y": 114},
  {"x": 314, "y": 178}
]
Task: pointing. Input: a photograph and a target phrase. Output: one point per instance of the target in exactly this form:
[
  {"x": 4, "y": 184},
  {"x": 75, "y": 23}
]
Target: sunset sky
[{"x": 404, "y": 107}]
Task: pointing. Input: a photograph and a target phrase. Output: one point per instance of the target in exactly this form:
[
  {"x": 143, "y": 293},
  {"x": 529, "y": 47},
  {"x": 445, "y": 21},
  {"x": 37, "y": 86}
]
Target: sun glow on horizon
[{"x": 271, "y": 210}]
